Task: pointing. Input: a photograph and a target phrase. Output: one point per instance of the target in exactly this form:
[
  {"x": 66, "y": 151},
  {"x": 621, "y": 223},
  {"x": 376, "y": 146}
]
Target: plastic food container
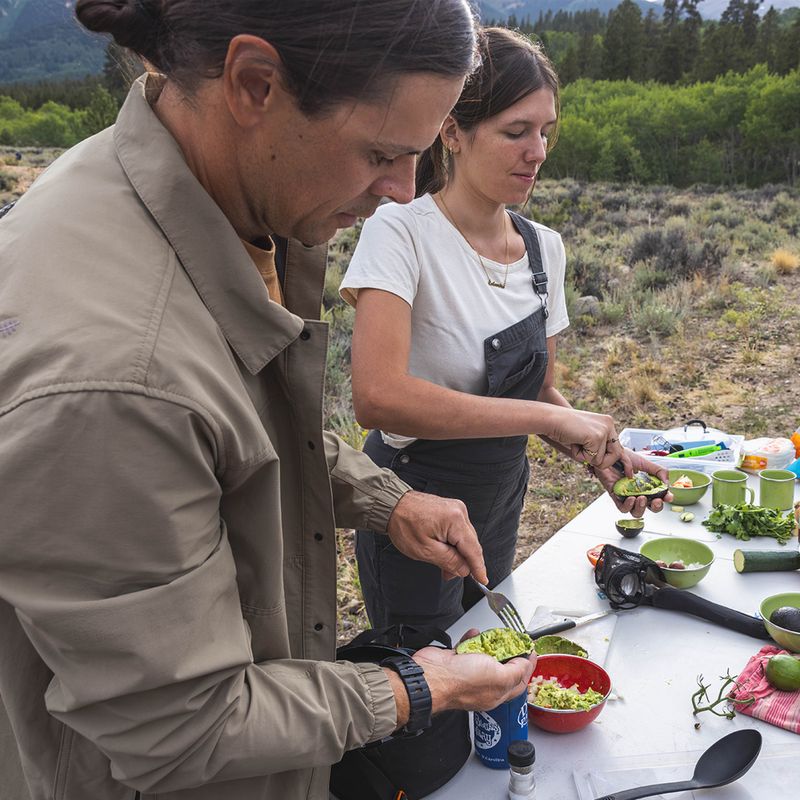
[{"x": 765, "y": 453}]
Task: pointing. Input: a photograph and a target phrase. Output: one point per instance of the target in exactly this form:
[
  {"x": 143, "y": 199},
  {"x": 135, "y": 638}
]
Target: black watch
[{"x": 419, "y": 695}]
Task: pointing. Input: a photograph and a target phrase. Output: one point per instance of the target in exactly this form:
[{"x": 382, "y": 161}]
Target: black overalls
[{"x": 489, "y": 475}]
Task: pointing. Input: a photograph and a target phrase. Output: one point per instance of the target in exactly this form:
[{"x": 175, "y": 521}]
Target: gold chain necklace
[{"x": 493, "y": 283}]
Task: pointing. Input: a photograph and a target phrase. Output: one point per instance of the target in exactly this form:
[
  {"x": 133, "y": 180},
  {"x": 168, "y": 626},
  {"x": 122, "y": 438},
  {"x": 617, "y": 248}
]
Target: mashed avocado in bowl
[
  {"x": 502, "y": 643},
  {"x": 550, "y": 694}
]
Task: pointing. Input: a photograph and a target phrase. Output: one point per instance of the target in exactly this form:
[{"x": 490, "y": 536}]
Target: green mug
[
  {"x": 729, "y": 487},
  {"x": 776, "y": 488}
]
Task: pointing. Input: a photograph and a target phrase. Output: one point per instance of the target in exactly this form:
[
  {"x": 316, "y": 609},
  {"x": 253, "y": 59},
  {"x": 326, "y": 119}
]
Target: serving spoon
[{"x": 723, "y": 763}]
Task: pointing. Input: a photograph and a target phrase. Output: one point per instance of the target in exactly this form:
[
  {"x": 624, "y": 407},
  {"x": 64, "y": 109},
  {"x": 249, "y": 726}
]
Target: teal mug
[
  {"x": 776, "y": 488},
  {"x": 729, "y": 487}
]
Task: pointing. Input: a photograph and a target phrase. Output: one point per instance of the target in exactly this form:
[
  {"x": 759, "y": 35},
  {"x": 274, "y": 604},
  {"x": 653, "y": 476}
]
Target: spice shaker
[{"x": 522, "y": 782}]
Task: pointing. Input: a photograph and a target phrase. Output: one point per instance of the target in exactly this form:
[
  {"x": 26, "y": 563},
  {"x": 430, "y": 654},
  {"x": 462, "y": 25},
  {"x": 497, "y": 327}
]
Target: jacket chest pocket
[{"x": 516, "y": 359}]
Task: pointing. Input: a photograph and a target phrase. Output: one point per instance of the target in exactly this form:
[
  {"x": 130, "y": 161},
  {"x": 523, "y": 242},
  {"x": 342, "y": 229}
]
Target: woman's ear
[{"x": 450, "y": 135}]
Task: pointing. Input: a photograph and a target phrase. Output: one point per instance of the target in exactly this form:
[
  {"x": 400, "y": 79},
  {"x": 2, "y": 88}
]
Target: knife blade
[{"x": 567, "y": 624}]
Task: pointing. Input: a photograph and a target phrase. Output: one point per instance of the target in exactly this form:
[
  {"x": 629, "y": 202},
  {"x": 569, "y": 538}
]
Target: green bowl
[
  {"x": 785, "y": 638},
  {"x": 671, "y": 548},
  {"x": 687, "y": 497}
]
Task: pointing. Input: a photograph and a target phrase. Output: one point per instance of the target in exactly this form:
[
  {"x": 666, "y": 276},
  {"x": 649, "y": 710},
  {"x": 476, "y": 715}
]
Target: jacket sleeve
[
  {"x": 118, "y": 566},
  {"x": 364, "y": 494}
]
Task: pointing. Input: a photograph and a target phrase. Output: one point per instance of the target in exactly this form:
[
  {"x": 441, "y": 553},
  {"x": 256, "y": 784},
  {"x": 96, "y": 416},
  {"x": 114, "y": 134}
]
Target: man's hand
[
  {"x": 472, "y": 681},
  {"x": 437, "y": 530},
  {"x": 635, "y": 505}
]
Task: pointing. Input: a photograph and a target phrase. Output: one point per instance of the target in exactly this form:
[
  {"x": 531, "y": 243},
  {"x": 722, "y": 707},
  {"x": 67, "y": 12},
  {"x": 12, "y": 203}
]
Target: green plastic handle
[{"x": 696, "y": 451}]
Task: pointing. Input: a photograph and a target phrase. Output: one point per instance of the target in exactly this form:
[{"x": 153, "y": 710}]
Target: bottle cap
[{"x": 521, "y": 753}]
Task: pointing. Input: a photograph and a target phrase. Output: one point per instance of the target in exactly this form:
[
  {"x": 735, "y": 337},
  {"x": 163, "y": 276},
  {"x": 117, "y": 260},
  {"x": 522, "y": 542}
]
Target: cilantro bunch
[{"x": 745, "y": 521}]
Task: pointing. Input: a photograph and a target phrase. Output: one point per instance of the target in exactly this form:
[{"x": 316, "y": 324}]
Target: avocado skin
[{"x": 786, "y": 617}]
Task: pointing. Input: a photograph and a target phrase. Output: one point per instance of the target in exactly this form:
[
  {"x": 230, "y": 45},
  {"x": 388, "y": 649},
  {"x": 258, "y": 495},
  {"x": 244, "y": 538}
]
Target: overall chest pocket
[{"x": 516, "y": 359}]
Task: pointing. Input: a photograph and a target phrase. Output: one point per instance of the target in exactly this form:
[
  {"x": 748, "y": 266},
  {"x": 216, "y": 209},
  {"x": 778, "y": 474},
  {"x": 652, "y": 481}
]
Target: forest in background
[{"x": 669, "y": 100}]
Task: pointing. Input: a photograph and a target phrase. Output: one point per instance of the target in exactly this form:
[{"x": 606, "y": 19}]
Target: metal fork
[{"x": 503, "y": 607}]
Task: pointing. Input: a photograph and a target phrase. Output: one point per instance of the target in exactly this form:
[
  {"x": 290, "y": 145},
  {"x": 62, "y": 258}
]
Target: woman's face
[
  {"x": 312, "y": 175},
  {"x": 500, "y": 157}
]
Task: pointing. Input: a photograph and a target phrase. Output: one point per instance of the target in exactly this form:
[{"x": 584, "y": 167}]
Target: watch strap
[{"x": 419, "y": 693}]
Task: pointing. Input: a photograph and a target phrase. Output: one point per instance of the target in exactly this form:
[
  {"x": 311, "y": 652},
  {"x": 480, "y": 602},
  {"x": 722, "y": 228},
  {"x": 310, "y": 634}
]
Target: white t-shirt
[{"x": 414, "y": 252}]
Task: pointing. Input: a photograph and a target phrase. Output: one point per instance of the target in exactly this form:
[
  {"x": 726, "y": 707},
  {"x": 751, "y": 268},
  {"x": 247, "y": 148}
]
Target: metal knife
[{"x": 567, "y": 624}]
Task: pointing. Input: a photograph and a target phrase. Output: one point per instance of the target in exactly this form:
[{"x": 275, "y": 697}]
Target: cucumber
[{"x": 765, "y": 561}]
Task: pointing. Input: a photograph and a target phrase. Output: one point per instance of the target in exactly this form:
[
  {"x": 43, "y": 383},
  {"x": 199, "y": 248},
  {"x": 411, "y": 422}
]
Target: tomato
[{"x": 594, "y": 553}]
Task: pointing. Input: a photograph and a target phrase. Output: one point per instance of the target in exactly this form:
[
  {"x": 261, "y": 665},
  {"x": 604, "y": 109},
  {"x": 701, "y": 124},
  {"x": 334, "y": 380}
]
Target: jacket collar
[{"x": 205, "y": 242}]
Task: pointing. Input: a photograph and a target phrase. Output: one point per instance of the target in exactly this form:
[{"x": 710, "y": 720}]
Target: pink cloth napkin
[{"x": 771, "y": 705}]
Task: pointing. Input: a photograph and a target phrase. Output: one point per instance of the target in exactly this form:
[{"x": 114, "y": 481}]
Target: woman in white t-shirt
[{"x": 459, "y": 304}]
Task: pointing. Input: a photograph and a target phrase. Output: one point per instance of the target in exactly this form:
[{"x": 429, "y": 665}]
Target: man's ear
[
  {"x": 251, "y": 78},
  {"x": 450, "y": 134}
]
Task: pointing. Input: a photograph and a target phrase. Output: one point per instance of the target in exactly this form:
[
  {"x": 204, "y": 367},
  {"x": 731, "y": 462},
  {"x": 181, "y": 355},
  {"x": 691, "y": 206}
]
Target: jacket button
[
  {"x": 305, "y": 335},
  {"x": 318, "y": 536},
  {"x": 404, "y": 459},
  {"x": 319, "y": 626},
  {"x": 311, "y": 445},
  {"x": 496, "y": 344}
]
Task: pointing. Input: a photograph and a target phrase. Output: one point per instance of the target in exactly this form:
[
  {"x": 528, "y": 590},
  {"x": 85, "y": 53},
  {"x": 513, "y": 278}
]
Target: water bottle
[{"x": 493, "y": 731}]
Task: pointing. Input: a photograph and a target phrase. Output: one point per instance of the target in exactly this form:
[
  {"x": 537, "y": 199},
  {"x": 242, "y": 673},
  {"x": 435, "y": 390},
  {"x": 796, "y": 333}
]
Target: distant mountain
[
  {"x": 501, "y": 9},
  {"x": 41, "y": 39},
  {"x": 712, "y": 9}
]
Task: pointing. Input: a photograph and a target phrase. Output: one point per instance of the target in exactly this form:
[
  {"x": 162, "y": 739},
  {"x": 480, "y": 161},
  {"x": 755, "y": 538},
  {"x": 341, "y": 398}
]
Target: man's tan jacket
[{"x": 168, "y": 497}]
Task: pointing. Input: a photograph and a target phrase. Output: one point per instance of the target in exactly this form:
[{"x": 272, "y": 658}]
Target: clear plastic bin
[{"x": 638, "y": 438}]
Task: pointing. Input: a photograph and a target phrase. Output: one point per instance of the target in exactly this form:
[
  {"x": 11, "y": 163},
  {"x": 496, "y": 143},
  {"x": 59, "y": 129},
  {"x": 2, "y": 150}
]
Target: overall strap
[{"x": 531, "y": 239}]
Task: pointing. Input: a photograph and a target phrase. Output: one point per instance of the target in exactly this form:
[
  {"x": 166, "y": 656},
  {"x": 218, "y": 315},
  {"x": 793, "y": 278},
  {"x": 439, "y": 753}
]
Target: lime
[{"x": 783, "y": 672}]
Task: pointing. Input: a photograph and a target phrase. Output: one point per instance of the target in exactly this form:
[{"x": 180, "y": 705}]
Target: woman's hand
[
  {"x": 590, "y": 438},
  {"x": 635, "y": 505}
]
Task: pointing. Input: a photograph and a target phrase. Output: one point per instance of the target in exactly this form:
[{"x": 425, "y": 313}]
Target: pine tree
[
  {"x": 768, "y": 40},
  {"x": 623, "y": 44}
]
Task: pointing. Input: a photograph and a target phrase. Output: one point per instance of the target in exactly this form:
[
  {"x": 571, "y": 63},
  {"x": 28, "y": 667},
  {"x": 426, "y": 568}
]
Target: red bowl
[{"x": 568, "y": 671}]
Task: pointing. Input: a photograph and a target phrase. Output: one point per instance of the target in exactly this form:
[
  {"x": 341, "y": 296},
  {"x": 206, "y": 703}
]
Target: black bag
[{"x": 410, "y": 767}]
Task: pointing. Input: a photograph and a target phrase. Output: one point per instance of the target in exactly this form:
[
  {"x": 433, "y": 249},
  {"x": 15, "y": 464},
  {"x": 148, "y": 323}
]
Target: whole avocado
[
  {"x": 649, "y": 486},
  {"x": 787, "y": 617},
  {"x": 783, "y": 672}
]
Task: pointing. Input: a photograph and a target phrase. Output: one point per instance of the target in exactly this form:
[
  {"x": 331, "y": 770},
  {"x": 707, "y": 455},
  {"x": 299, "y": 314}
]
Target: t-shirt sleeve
[
  {"x": 556, "y": 261},
  {"x": 385, "y": 256}
]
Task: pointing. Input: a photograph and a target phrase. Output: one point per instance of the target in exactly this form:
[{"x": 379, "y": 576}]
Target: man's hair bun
[{"x": 134, "y": 24}]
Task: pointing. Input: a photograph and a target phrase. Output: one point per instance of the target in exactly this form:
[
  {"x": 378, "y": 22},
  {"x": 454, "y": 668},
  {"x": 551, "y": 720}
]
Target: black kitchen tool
[
  {"x": 631, "y": 579},
  {"x": 723, "y": 763}
]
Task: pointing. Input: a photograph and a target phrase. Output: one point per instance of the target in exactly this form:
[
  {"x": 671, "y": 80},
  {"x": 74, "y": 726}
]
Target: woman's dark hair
[
  {"x": 512, "y": 67},
  {"x": 332, "y": 50}
]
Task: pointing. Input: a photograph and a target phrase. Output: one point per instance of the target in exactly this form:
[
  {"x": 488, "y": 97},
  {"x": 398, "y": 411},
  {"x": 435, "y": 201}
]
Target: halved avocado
[
  {"x": 502, "y": 643},
  {"x": 641, "y": 485},
  {"x": 545, "y": 645}
]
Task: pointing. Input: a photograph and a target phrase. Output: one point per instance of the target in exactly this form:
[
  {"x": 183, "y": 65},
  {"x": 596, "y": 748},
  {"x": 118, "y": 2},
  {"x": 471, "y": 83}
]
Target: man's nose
[{"x": 397, "y": 183}]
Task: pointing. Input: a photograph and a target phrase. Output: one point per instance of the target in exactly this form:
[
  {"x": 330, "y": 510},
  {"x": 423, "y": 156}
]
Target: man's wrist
[{"x": 417, "y": 691}]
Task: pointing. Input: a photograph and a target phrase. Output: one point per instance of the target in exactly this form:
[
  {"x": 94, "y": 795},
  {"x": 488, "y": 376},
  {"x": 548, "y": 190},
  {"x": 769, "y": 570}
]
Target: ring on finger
[{"x": 592, "y": 453}]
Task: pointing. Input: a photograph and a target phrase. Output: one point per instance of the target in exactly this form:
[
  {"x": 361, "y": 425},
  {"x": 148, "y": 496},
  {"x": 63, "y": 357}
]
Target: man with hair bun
[{"x": 168, "y": 580}]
